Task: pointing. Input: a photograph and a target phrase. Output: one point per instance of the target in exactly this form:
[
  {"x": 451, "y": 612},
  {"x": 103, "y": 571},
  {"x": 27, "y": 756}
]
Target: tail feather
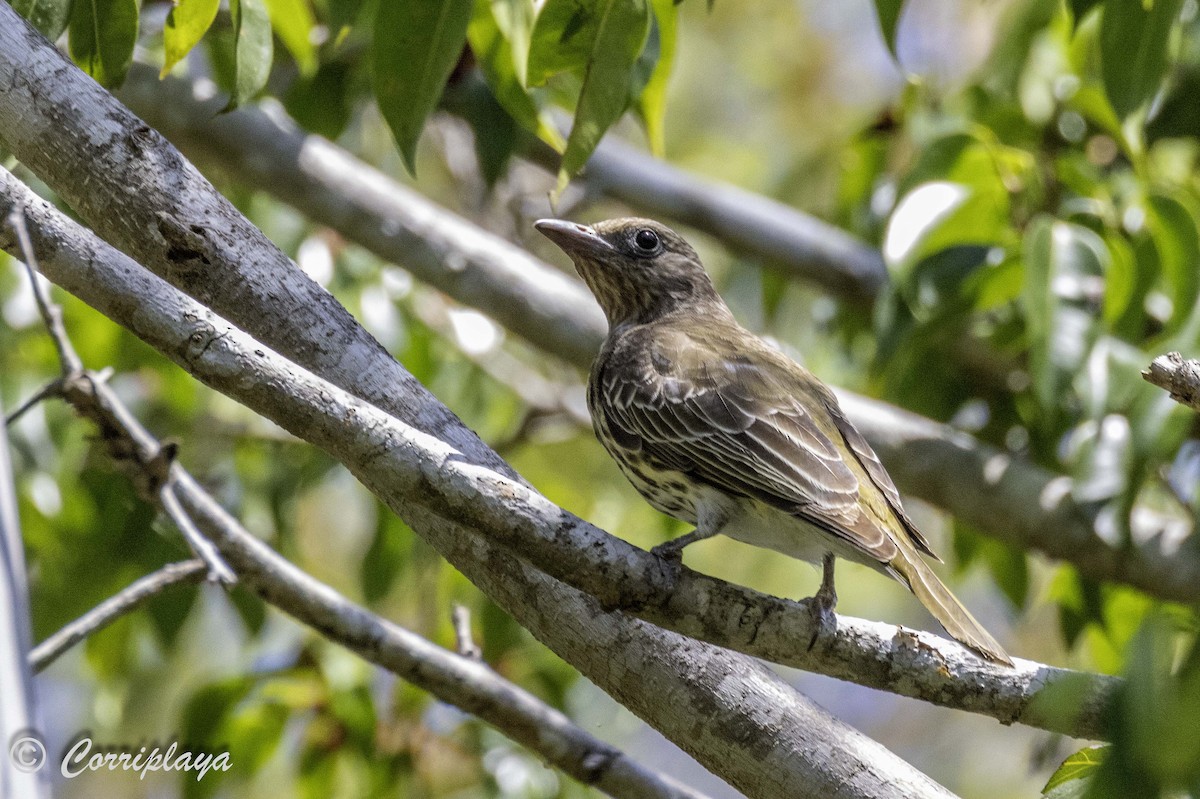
[{"x": 946, "y": 608}]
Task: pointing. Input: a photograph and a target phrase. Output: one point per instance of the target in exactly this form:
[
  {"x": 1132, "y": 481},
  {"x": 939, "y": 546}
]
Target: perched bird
[{"x": 717, "y": 428}]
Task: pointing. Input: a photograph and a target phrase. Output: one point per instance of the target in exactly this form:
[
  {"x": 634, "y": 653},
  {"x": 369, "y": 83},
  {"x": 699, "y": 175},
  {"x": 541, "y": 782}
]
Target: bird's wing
[
  {"x": 744, "y": 426},
  {"x": 874, "y": 469}
]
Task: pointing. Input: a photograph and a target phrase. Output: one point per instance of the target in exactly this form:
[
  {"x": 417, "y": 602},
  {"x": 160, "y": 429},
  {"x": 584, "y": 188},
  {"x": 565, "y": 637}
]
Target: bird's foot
[
  {"x": 821, "y": 604},
  {"x": 671, "y": 556}
]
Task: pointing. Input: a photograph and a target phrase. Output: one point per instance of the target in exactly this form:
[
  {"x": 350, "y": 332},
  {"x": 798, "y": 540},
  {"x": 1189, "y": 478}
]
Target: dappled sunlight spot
[
  {"x": 474, "y": 333},
  {"x": 316, "y": 259},
  {"x": 20, "y": 310},
  {"x": 396, "y": 282},
  {"x": 995, "y": 468},
  {"x": 45, "y": 494},
  {"x": 379, "y": 314},
  {"x": 1054, "y": 493},
  {"x": 917, "y": 213}
]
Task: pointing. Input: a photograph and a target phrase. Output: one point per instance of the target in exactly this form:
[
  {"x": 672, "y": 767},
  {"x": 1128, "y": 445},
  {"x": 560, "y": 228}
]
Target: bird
[{"x": 716, "y": 427}]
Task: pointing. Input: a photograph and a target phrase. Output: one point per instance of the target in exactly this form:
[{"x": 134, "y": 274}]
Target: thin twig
[
  {"x": 87, "y": 392},
  {"x": 218, "y": 570},
  {"x": 52, "y": 389},
  {"x": 108, "y": 611},
  {"x": 51, "y": 313},
  {"x": 465, "y": 644}
]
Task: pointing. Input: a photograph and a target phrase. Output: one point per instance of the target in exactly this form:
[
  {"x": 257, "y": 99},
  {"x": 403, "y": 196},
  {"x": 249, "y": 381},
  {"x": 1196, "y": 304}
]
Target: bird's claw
[{"x": 820, "y": 607}]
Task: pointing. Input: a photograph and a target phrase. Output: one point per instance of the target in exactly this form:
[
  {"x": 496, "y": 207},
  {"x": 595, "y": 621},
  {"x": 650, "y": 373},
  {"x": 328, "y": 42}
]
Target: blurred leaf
[
  {"x": 169, "y": 609},
  {"x": 1155, "y": 750},
  {"x": 1133, "y": 50},
  {"x": 252, "y": 51},
  {"x": 1061, "y": 262},
  {"x": 206, "y": 709},
  {"x": 355, "y": 710},
  {"x": 1120, "y": 285},
  {"x": 48, "y": 16},
  {"x": 250, "y": 608},
  {"x": 620, "y": 35},
  {"x": 415, "y": 48},
  {"x": 496, "y": 133},
  {"x": 953, "y": 196},
  {"x": 385, "y": 557},
  {"x": 324, "y": 102},
  {"x": 888, "y": 14},
  {"x": 1172, "y": 225},
  {"x": 103, "y": 33},
  {"x": 1178, "y": 115},
  {"x": 1078, "y": 766},
  {"x": 652, "y": 100},
  {"x": 293, "y": 21},
  {"x": 1008, "y": 566},
  {"x": 1079, "y": 9},
  {"x": 186, "y": 25}
]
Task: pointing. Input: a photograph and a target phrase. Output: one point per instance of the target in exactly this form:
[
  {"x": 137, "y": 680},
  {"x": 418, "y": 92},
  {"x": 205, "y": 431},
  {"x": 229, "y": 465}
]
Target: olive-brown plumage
[{"x": 716, "y": 427}]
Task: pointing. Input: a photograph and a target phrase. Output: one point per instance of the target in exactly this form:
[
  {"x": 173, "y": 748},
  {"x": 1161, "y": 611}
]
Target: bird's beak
[{"x": 572, "y": 237}]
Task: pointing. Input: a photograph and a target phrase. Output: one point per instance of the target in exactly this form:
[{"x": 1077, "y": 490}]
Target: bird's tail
[{"x": 946, "y": 608}]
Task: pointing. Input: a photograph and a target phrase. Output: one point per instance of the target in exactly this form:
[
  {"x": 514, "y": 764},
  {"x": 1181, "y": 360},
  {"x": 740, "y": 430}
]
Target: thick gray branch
[
  {"x": 1178, "y": 375},
  {"x": 142, "y": 195},
  {"x": 1013, "y": 500},
  {"x": 325, "y": 182},
  {"x": 416, "y": 473}
]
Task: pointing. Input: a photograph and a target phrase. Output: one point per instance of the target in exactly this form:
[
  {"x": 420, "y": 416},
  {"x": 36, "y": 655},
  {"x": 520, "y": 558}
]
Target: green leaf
[
  {"x": 562, "y": 38},
  {"x": 888, "y": 14},
  {"x": 1077, "y": 767},
  {"x": 497, "y": 60},
  {"x": 293, "y": 21},
  {"x": 515, "y": 20},
  {"x": 48, "y": 16},
  {"x": 1133, "y": 50},
  {"x": 253, "y": 50},
  {"x": 186, "y": 25},
  {"x": 103, "y": 33},
  {"x": 415, "y": 48},
  {"x": 652, "y": 101},
  {"x": 621, "y": 32}
]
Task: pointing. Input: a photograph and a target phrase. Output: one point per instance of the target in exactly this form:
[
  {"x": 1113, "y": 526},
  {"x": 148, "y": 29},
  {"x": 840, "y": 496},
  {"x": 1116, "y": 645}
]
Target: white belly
[{"x": 760, "y": 525}]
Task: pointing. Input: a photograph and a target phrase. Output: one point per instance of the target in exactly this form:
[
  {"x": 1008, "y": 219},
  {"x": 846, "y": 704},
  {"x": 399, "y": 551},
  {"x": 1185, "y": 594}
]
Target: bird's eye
[{"x": 646, "y": 240}]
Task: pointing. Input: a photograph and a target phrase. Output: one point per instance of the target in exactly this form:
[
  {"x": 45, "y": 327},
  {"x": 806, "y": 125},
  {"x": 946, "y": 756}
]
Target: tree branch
[
  {"x": 139, "y": 185},
  {"x": 412, "y": 470},
  {"x": 111, "y": 609},
  {"x": 1179, "y": 376},
  {"x": 23, "y": 749},
  {"x": 1015, "y": 501},
  {"x": 79, "y": 387},
  {"x": 505, "y": 706}
]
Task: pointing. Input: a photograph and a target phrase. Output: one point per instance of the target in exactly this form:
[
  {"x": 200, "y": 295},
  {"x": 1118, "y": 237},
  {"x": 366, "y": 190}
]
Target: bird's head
[{"x": 638, "y": 269}]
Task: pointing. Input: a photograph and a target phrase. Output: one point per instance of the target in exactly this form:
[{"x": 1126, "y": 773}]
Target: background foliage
[{"x": 1028, "y": 170}]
